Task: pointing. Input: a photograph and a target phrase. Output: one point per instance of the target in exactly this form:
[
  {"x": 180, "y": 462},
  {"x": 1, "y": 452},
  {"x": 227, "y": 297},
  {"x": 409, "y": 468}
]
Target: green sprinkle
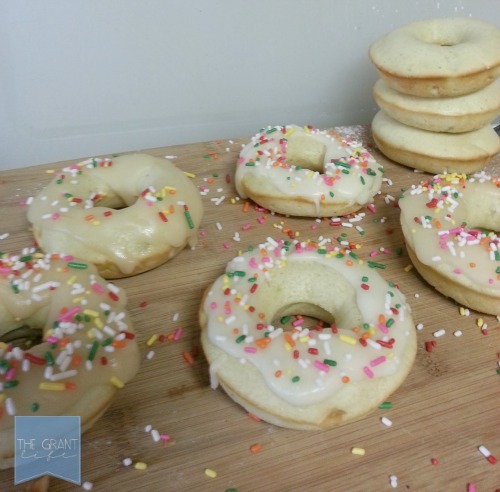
[
  {"x": 272, "y": 130},
  {"x": 385, "y": 404},
  {"x": 14, "y": 287},
  {"x": 353, "y": 255},
  {"x": 345, "y": 171},
  {"x": 10, "y": 384},
  {"x": 239, "y": 273},
  {"x": 373, "y": 264},
  {"x": 331, "y": 194},
  {"x": 93, "y": 351},
  {"x": 78, "y": 266},
  {"x": 49, "y": 359},
  {"x": 107, "y": 342},
  {"x": 241, "y": 338},
  {"x": 285, "y": 320},
  {"x": 249, "y": 164},
  {"x": 342, "y": 164},
  {"x": 497, "y": 270},
  {"x": 364, "y": 279},
  {"x": 35, "y": 406},
  {"x": 189, "y": 219},
  {"x": 295, "y": 379},
  {"x": 330, "y": 362},
  {"x": 24, "y": 259},
  {"x": 389, "y": 323},
  {"x": 321, "y": 251},
  {"x": 362, "y": 180}
]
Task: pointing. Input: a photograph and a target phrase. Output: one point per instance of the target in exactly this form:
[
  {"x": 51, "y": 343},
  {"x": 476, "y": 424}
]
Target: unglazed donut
[
  {"x": 303, "y": 171},
  {"x": 126, "y": 215},
  {"x": 306, "y": 378},
  {"x": 449, "y": 223},
  {"x": 434, "y": 152},
  {"x": 87, "y": 352},
  {"x": 439, "y": 57},
  {"x": 450, "y": 114}
]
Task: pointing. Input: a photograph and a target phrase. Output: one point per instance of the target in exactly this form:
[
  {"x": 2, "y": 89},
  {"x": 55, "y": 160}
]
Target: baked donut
[
  {"x": 126, "y": 215},
  {"x": 431, "y": 151},
  {"x": 87, "y": 351},
  {"x": 439, "y": 57},
  {"x": 449, "y": 223},
  {"x": 306, "y": 378},
  {"x": 306, "y": 172},
  {"x": 450, "y": 114}
]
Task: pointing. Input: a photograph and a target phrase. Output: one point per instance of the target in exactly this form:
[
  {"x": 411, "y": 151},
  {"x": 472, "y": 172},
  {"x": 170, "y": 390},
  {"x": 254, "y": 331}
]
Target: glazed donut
[
  {"x": 306, "y": 378},
  {"x": 306, "y": 172},
  {"x": 88, "y": 348},
  {"x": 431, "y": 151},
  {"x": 450, "y": 114},
  {"x": 448, "y": 223},
  {"x": 439, "y": 57},
  {"x": 126, "y": 215}
]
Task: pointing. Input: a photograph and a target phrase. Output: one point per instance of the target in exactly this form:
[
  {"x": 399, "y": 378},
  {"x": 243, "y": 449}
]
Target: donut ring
[
  {"x": 306, "y": 378},
  {"x": 452, "y": 114},
  {"x": 306, "y": 172},
  {"x": 434, "y": 152},
  {"x": 88, "y": 349},
  {"x": 126, "y": 215},
  {"x": 448, "y": 223},
  {"x": 439, "y": 57}
]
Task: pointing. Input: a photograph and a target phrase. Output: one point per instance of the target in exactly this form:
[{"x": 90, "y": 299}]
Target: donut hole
[
  {"x": 306, "y": 288},
  {"x": 304, "y": 151},
  {"x": 23, "y": 337},
  {"x": 303, "y": 315}
]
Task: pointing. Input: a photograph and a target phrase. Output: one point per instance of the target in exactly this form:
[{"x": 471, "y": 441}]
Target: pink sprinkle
[
  {"x": 164, "y": 437},
  {"x": 471, "y": 487},
  {"x": 245, "y": 227},
  {"x": 9, "y": 375},
  {"x": 253, "y": 263},
  {"x": 213, "y": 305},
  {"x": 97, "y": 288},
  {"x": 373, "y": 253},
  {"x": 261, "y": 220},
  {"x": 68, "y": 314},
  {"x": 250, "y": 350},
  {"x": 177, "y": 334},
  {"x": 371, "y": 208},
  {"x": 382, "y": 328},
  {"x": 240, "y": 160},
  {"x": 377, "y": 361},
  {"x": 298, "y": 322},
  {"x": 265, "y": 259},
  {"x": 226, "y": 245},
  {"x": 368, "y": 371},
  {"x": 51, "y": 339},
  {"x": 321, "y": 366},
  {"x": 55, "y": 216},
  {"x": 457, "y": 271}
]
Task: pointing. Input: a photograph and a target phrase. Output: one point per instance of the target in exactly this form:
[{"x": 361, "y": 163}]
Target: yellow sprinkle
[
  {"x": 480, "y": 322},
  {"x": 99, "y": 324},
  {"x": 91, "y": 312},
  {"x": 71, "y": 280},
  {"x": 50, "y": 171},
  {"x": 77, "y": 300},
  {"x": 3, "y": 396},
  {"x": 52, "y": 386},
  {"x": 152, "y": 339},
  {"x": 140, "y": 465},
  {"x": 347, "y": 339},
  {"x": 358, "y": 451},
  {"x": 3, "y": 345},
  {"x": 233, "y": 201},
  {"x": 210, "y": 473},
  {"x": 118, "y": 383},
  {"x": 190, "y": 175},
  {"x": 408, "y": 267},
  {"x": 462, "y": 311}
]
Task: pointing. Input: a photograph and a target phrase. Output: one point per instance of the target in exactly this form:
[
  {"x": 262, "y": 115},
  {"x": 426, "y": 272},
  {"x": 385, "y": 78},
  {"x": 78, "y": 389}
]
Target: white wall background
[{"x": 86, "y": 77}]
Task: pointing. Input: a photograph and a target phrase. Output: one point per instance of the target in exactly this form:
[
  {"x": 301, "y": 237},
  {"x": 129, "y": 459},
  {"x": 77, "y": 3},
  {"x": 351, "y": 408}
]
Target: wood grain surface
[{"x": 448, "y": 406}]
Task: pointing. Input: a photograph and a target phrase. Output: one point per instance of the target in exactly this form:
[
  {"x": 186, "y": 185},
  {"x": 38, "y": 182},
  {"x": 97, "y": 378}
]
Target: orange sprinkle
[
  {"x": 345, "y": 379},
  {"x": 262, "y": 342},
  {"x": 262, "y": 315},
  {"x": 118, "y": 344},
  {"x": 255, "y": 448},
  {"x": 89, "y": 217},
  {"x": 76, "y": 360},
  {"x": 254, "y": 417},
  {"x": 472, "y": 265},
  {"x": 278, "y": 374},
  {"x": 381, "y": 319},
  {"x": 187, "y": 357},
  {"x": 246, "y": 206},
  {"x": 349, "y": 262},
  {"x": 289, "y": 340}
]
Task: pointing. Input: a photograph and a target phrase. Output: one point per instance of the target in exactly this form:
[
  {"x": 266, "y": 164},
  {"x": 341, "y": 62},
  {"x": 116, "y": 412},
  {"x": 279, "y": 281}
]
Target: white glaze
[
  {"x": 116, "y": 217},
  {"x": 349, "y": 172},
  {"x": 232, "y": 303},
  {"x": 432, "y": 217}
]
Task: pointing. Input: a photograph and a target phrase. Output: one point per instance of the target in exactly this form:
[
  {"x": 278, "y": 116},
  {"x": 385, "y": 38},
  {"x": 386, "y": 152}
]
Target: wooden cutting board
[{"x": 445, "y": 410}]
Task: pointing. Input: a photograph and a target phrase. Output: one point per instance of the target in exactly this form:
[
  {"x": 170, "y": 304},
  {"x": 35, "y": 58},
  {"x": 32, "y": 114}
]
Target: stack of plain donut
[{"x": 439, "y": 91}]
